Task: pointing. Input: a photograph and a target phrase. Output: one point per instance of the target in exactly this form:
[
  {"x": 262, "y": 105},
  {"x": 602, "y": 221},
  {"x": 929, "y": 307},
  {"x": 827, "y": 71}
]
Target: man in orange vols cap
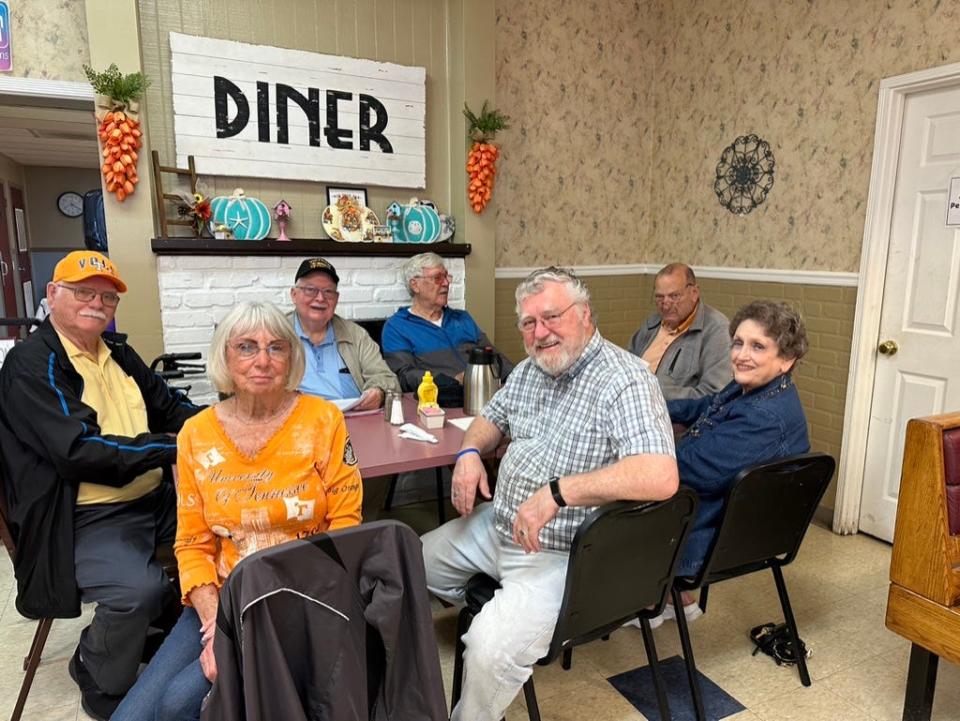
[{"x": 85, "y": 430}]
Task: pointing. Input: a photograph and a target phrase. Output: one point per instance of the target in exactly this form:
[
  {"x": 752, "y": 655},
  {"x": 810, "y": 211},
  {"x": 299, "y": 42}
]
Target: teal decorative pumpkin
[
  {"x": 248, "y": 218},
  {"x": 414, "y": 223}
]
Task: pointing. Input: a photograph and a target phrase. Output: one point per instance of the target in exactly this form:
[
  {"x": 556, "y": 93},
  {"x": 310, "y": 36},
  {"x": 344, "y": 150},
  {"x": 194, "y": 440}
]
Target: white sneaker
[
  {"x": 655, "y": 622},
  {"x": 691, "y": 610}
]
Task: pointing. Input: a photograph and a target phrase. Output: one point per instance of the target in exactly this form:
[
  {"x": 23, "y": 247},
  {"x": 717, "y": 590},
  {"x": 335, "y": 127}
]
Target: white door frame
[
  {"x": 873, "y": 270},
  {"x": 51, "y": 89}
]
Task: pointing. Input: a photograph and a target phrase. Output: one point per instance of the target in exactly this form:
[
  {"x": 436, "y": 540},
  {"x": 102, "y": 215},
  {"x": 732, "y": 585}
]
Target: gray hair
[
  {"x": 414, "y": 267},
  {"x": 534, "y": 283},
  {"x": 780, "y": 322},
  {"x": 670, "y": 269},
  {"x": 251, "y": 317}
]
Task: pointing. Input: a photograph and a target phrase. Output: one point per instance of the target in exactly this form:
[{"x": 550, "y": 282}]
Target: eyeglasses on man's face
[
  {"x": 247, "y": 349},
  {"x": 86, "y": 295},
  {"x": 311, "y": 291},
  {"x": 438, "y": 278},
  {"x": 550, "y": 319},
  {"x": 661, "y": 298}
]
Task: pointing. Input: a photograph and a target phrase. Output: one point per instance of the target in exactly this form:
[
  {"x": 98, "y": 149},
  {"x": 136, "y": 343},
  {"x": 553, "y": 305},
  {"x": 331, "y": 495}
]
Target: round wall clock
[
  {"x": 70, "y": 204},
  {"x": 744, "y": 174}
]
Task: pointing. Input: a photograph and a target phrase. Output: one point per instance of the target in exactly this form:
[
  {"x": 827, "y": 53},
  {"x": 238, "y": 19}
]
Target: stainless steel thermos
[{"x": 479, "y": 381}]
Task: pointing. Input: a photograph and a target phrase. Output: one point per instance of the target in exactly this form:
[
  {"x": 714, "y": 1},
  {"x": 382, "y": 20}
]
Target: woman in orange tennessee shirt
[{"x": 265, "y": 466}]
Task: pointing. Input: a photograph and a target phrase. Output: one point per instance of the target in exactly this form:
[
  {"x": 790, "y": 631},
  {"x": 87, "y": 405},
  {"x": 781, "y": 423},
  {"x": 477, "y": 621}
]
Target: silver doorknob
[{"x": 888, "y": 347}]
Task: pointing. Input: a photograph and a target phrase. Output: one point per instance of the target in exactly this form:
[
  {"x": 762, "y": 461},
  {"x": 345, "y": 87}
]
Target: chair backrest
[
  {"x": 951, "y": 478},
  {"x": 622, "y": 564},
  {"x": 766, "y": 515},
  {"x": 374, "y": 327}
]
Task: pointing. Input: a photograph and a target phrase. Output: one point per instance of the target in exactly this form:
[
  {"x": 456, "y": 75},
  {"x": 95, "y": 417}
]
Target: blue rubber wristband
[{"x": 465, "y": 451}]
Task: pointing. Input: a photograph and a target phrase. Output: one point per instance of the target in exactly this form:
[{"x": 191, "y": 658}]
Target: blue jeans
[{"x": 173, "y": 686}]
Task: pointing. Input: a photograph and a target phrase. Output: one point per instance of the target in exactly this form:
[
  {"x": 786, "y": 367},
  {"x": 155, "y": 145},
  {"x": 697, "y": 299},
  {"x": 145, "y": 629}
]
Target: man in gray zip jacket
[
  {"x": 342, "y": 360},
  {"x": 686, "y": 343}
]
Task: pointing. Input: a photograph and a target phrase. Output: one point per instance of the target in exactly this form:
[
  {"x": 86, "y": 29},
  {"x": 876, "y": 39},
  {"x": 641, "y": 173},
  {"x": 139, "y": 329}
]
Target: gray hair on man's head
[
  {"x": 247, "y": 318},
  {"x": 534, "y": 283},
  {"x": 414, "y": 267}
]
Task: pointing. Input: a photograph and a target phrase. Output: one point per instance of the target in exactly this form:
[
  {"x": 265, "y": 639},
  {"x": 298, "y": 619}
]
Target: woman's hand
[{"x": 208, "y": 662}]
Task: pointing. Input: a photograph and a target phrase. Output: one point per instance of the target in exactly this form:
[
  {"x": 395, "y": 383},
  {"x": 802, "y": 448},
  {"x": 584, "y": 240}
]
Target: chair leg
[
  {"x": 441, "y": 500},
  {"x": 530, "y": 696},
  {"x": 921, "y": 683},
  {"x": 703, "y": 598},
  {"x": 691, "y": 664},
  {"x": 30, "y": 664},
  {"x": 388, "y": 501},
  {"x": 567, "y": 660},
  {"x": 791, "y": 624},
  {"x": 464, "y": 619},
  {"x": 651, "y": 648}
]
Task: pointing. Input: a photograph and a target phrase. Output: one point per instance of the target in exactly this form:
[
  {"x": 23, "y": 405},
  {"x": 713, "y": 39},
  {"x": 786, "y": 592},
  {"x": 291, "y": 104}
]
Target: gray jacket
[
  {"x": 697, "y": 363},
  {"x": 361, "y": 356}
]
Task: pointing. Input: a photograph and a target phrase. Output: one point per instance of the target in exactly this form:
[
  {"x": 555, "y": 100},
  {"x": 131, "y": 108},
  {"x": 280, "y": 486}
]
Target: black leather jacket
[{"x": 50, "y": 441}]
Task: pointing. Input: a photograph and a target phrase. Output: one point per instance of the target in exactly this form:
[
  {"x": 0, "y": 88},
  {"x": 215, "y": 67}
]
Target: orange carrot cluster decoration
[
  {"x": 120, "y": 138},
  {"x": 119, "y": 129},
  {"x": 482, "y": 160}
]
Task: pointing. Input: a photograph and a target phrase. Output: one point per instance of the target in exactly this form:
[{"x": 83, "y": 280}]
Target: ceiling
[{"x": 49, "y": 136}]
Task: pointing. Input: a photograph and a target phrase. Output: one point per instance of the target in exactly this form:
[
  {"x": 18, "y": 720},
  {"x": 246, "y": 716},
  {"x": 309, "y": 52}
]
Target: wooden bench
[{"x": 923, "y": 604}]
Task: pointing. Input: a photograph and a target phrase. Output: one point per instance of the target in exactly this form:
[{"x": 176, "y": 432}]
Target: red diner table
[{"x": 381, "y": 452}]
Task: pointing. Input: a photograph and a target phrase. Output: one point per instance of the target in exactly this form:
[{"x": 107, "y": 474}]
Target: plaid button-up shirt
[{"x": 605, "y": 407}]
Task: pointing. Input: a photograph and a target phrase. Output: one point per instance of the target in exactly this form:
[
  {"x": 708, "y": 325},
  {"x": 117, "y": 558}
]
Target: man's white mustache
[{"x": 93, "y": 314}]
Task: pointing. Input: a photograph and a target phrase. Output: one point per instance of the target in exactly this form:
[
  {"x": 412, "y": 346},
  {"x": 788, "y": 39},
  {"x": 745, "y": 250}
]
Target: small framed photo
[{"x": 334, "y": 194}]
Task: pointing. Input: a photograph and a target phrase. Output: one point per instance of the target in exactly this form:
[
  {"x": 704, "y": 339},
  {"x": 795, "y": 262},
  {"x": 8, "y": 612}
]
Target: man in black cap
[{"x": 342, "y": 360}]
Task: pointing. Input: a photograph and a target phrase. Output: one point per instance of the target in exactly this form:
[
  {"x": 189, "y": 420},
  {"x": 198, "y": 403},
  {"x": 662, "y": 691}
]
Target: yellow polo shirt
[{"x": 120, "y": 411}]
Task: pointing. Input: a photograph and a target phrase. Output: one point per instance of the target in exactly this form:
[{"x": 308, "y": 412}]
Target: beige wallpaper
[
  {"x": 802, "y": 75},
  {"x": 49, "y": 39},
  {"x": 574, "y": 177}
]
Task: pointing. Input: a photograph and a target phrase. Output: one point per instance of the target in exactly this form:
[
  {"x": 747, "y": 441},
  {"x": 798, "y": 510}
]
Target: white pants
[{"x": 514, "y": 629}]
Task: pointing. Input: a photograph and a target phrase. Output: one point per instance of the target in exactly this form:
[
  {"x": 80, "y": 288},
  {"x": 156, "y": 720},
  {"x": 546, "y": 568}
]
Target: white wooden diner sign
[{"x": 258, "y": 111}]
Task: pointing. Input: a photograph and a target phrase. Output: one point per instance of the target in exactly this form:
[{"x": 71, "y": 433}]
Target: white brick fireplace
[{"x": 197, "y": 291}]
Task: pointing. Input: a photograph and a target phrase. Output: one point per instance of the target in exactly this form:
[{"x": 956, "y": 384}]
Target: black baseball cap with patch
[{"x": 316, "y": 265}]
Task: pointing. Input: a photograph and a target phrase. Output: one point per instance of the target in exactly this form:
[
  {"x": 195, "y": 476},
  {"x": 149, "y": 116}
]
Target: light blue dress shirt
[{"x": 326, "y": 374}]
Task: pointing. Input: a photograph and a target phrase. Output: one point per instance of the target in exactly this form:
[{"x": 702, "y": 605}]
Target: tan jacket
[{"x": 361, "y": 356}]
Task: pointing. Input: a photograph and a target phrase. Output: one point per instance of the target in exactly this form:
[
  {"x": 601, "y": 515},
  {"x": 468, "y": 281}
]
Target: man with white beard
[
  {"x": 588, "y": 425},
  {"x": 85, "y": 430}
]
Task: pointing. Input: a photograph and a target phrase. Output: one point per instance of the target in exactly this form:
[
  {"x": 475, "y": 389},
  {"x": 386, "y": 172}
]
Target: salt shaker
[{"x": 396, "y": 411}]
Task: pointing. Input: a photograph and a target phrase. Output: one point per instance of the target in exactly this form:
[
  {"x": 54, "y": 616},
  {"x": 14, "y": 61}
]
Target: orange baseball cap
[{"x": 82, "y": 264}]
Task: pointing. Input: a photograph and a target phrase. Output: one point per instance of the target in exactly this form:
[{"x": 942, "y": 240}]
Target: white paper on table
[
  {"x": 345, "y": 404},
  {"x": 462, "y": 423}
]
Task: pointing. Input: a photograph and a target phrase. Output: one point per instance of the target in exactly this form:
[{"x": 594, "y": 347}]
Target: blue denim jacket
[{"x": 730, "y": 431}]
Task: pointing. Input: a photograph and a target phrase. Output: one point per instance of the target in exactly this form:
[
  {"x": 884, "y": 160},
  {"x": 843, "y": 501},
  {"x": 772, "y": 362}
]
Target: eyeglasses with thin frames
[
  {"x": 247, "y": 349},
  {"x": 86, "y": 295},
  {"x": 312, "y": 292},
  {"x": 438, "y": 278},
  {"x": 660, "y": 298},
  {"x": 550, "y": 319}
]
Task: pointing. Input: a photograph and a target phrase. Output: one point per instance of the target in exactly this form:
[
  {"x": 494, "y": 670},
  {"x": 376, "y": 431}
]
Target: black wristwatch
[{"x": 555, "y": 491}]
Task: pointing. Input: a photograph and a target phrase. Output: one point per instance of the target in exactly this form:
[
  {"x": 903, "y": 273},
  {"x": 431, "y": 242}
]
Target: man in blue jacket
[
  {"x": 429, "y": 335},
  {"x": 85, "y": 430}
]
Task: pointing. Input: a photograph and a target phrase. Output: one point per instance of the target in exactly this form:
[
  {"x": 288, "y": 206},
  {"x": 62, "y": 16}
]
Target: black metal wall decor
[{"x": 744, "y": 174}]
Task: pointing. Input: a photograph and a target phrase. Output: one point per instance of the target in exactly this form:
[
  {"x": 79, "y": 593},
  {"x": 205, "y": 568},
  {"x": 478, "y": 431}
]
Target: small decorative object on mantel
[
  {"x": 416, "y": 222},
  {"x": 744, "y": 174},
  {"x": 347, "y": 221},
  {"x": 247, "y": 218},
  {"x": 482, "y": 160},
  {"x": 281, "y": 211},
  {"x": 117, "y": 108},
  {"x": 222, "y": 232},
  {"x": 196, "y": 209}
]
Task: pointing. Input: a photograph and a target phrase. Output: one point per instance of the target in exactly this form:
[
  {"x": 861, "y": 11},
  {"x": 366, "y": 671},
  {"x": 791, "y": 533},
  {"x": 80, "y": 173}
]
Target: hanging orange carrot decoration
[
  {"x": 119, "y": 127},
  {"x": 482, "y": 159}
]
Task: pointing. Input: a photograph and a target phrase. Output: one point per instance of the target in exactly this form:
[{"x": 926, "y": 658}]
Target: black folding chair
[
  {"x": 766, "y": 515},
  {"x": 621, "y": 567}
]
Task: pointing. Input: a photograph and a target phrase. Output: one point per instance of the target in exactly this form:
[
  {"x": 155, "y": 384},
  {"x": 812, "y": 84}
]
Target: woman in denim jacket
[{"x": 756, "y": 418}]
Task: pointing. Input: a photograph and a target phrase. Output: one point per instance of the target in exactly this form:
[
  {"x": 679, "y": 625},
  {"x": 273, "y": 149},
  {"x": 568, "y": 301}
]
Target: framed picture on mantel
[{"x": 358, "y": 194}]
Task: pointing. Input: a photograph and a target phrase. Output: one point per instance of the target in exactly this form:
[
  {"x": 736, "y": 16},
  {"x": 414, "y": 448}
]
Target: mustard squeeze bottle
[{"x": 427, "y": 392}]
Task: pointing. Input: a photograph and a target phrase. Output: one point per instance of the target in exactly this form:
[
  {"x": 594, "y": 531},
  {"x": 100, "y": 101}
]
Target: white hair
[
  {"x": 414, "y": 267},
  {"x": 534, "y": 283}
]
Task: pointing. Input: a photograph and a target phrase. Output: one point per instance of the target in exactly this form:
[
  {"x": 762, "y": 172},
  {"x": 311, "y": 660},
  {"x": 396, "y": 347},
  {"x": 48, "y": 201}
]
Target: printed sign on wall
[
  {"x": 258, "y": 111},
  {"x": 6, "y": 52}
]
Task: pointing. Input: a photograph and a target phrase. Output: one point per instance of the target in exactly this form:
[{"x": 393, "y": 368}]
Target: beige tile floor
[{"x": 838, "y": 587}]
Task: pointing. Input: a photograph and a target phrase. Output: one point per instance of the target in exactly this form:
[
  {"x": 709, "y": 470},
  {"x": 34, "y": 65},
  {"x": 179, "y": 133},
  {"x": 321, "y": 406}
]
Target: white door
[{"x": 919, "y": 352}]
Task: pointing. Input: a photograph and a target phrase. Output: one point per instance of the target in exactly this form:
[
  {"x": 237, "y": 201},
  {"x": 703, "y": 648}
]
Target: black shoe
[{"x": 95, "y": 702}]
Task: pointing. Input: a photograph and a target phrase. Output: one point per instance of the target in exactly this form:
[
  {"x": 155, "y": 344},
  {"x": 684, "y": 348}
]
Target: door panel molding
[{"x": 871, "y": 278}]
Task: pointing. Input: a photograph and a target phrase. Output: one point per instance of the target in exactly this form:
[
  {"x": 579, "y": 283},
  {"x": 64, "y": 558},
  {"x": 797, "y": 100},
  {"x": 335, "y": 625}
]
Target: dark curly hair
[{"x": 780, "y": 322}]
